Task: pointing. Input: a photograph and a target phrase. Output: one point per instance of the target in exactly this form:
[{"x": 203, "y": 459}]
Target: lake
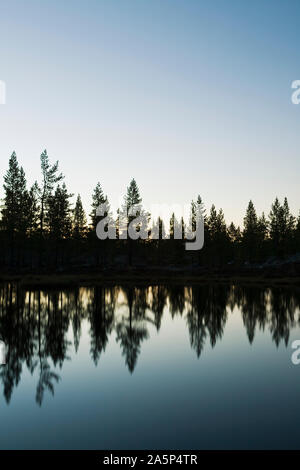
[{"x": 152, "y": 367}]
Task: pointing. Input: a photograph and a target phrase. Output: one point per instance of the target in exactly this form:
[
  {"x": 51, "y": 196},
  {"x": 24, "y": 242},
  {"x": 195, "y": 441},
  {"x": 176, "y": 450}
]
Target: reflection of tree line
[{"x": 35, "y": 324}]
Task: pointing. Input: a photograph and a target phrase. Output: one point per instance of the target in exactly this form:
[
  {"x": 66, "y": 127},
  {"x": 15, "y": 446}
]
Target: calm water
[{"x": 156, "y": 367}]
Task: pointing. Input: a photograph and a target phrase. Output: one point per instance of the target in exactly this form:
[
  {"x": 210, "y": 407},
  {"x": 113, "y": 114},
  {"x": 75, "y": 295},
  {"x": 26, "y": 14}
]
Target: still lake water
[{"x": 157, "y": 367}]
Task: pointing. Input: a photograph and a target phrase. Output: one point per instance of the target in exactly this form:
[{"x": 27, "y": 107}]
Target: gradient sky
[{"x": 186, "y": 96}]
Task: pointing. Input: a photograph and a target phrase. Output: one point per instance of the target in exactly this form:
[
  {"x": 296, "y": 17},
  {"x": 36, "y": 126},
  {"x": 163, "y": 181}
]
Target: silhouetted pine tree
[
  {"x": 217, "y": 236},
  {"x": 98, "y": 198},
  {"x": 50, "y": 178},
  {"x": 250, "y": 233},
  {"x": 79, "y": 220},
  {"x": 275, "y": 225},
  {"x": 287, "y": 228},
  {"x": 262, "y": 237},
  {"x": 14, "y": 188},
  {"x": 59, "y": 217},
  {"x": 100, "y": 247},
  {"x": 235, "y": 238},
  {"x": 14, "y": 216},
  {"x": 201, "y": 208},
  {"x": 282, "y": 225},
  {"x": 32, "y": 209},
  {"x": 59, "y": 221},
  {"x": 132, "y": 198}
]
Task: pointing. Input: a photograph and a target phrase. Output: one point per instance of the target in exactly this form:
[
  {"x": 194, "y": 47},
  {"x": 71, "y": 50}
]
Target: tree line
[{"x": 40, "y": 229}]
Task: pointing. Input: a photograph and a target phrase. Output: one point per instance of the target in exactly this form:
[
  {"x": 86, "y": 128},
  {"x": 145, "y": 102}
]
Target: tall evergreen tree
[
  {"x": 27, "y": 222},
  {"x": 175, "y": 227},
  {"x": 216, "y": 225},
  {"x": 79, "y": 220},
  {"x": 250, "y": 233},
  {"x": 50, "y": 178},
  {"x": 132, "y": 196},
  {"x": 275, "y": 222},
  {"x": 234, "y": 234},
  {"x": 287, "y": 226},
  {"x": 250, "y": 222},
  {"x": 33, "y": 210},
  {"x": 201, "y": 208},
  {"x": 14, "y": 214},
  {"x": 98, "y": 198},
  {"x": 282, "y": 226},
  {"x": 59, "y": 216}
]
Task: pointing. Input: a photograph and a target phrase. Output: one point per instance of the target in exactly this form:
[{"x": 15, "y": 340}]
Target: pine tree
[
  {"x": 250, "y": 233},
  {"x": 158, "y": 229},
  {"x": 217, "y": 236},
  {"x": 79, "y": 220},
  {"x": 275, "y": 222},
  {"x": 250, "y": 222},
  {"x": 14, "y": 214},
  {"x": 262, "y": 227},
  {"x": 221, "y": 225},
  {"x": 197, "y": 206},
  {"x": 212, "y": 223},
  {"x": 282, "y": 226},
  {"x": 50, "y": 178},
  {"x": 31, "y": 203},
  {"x": 234, "y": 234},
  {"x": 98, "y": 198},
  {"x": 59, "y": 213},
  {"x": 287, "y": 227},
  {"x": 262, "y": 236},
  {"x": 132, "y": 196},
  {"x": 175, "y": 227}
]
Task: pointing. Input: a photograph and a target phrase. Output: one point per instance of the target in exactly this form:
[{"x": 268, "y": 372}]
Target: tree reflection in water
[{"x": 34, "y": 323}]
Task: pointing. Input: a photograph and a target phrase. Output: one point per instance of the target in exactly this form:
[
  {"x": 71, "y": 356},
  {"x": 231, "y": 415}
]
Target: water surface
[{"x": 156, "y": 367}]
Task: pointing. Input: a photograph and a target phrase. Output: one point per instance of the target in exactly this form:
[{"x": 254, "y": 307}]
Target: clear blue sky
[{"x": 186, "y": 96}]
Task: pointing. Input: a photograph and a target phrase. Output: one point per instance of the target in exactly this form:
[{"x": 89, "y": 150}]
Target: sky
[{"x": 188, "y": 97}]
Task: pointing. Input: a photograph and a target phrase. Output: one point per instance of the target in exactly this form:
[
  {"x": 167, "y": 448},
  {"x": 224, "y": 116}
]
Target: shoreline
[{"x": 147, "y": 277}]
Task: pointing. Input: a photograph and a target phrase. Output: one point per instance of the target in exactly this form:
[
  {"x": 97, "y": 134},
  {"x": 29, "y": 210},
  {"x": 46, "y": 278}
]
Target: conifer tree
[
  {"x": 32, "y": 209},
  {"x": 98, "y": 198},
  {"x": 175, "y": 227},
  {"x": 50, "y": 178},
  {"x": 79, "y": 220},
  {"x": 250, "y": 233},
  {"x": 275, "y": 222},
  {"x": 250, "y": 222},
  {"x": 212, "y": 223},
  {"x": 194, "y": 205},
  {"x": 59, "y": 213},
  {"x": 14, "y": 210},
  {"x": 234, "y": 234},
  {"x": 287, "y": 225},
  {"x": 132, "y": 196}
]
